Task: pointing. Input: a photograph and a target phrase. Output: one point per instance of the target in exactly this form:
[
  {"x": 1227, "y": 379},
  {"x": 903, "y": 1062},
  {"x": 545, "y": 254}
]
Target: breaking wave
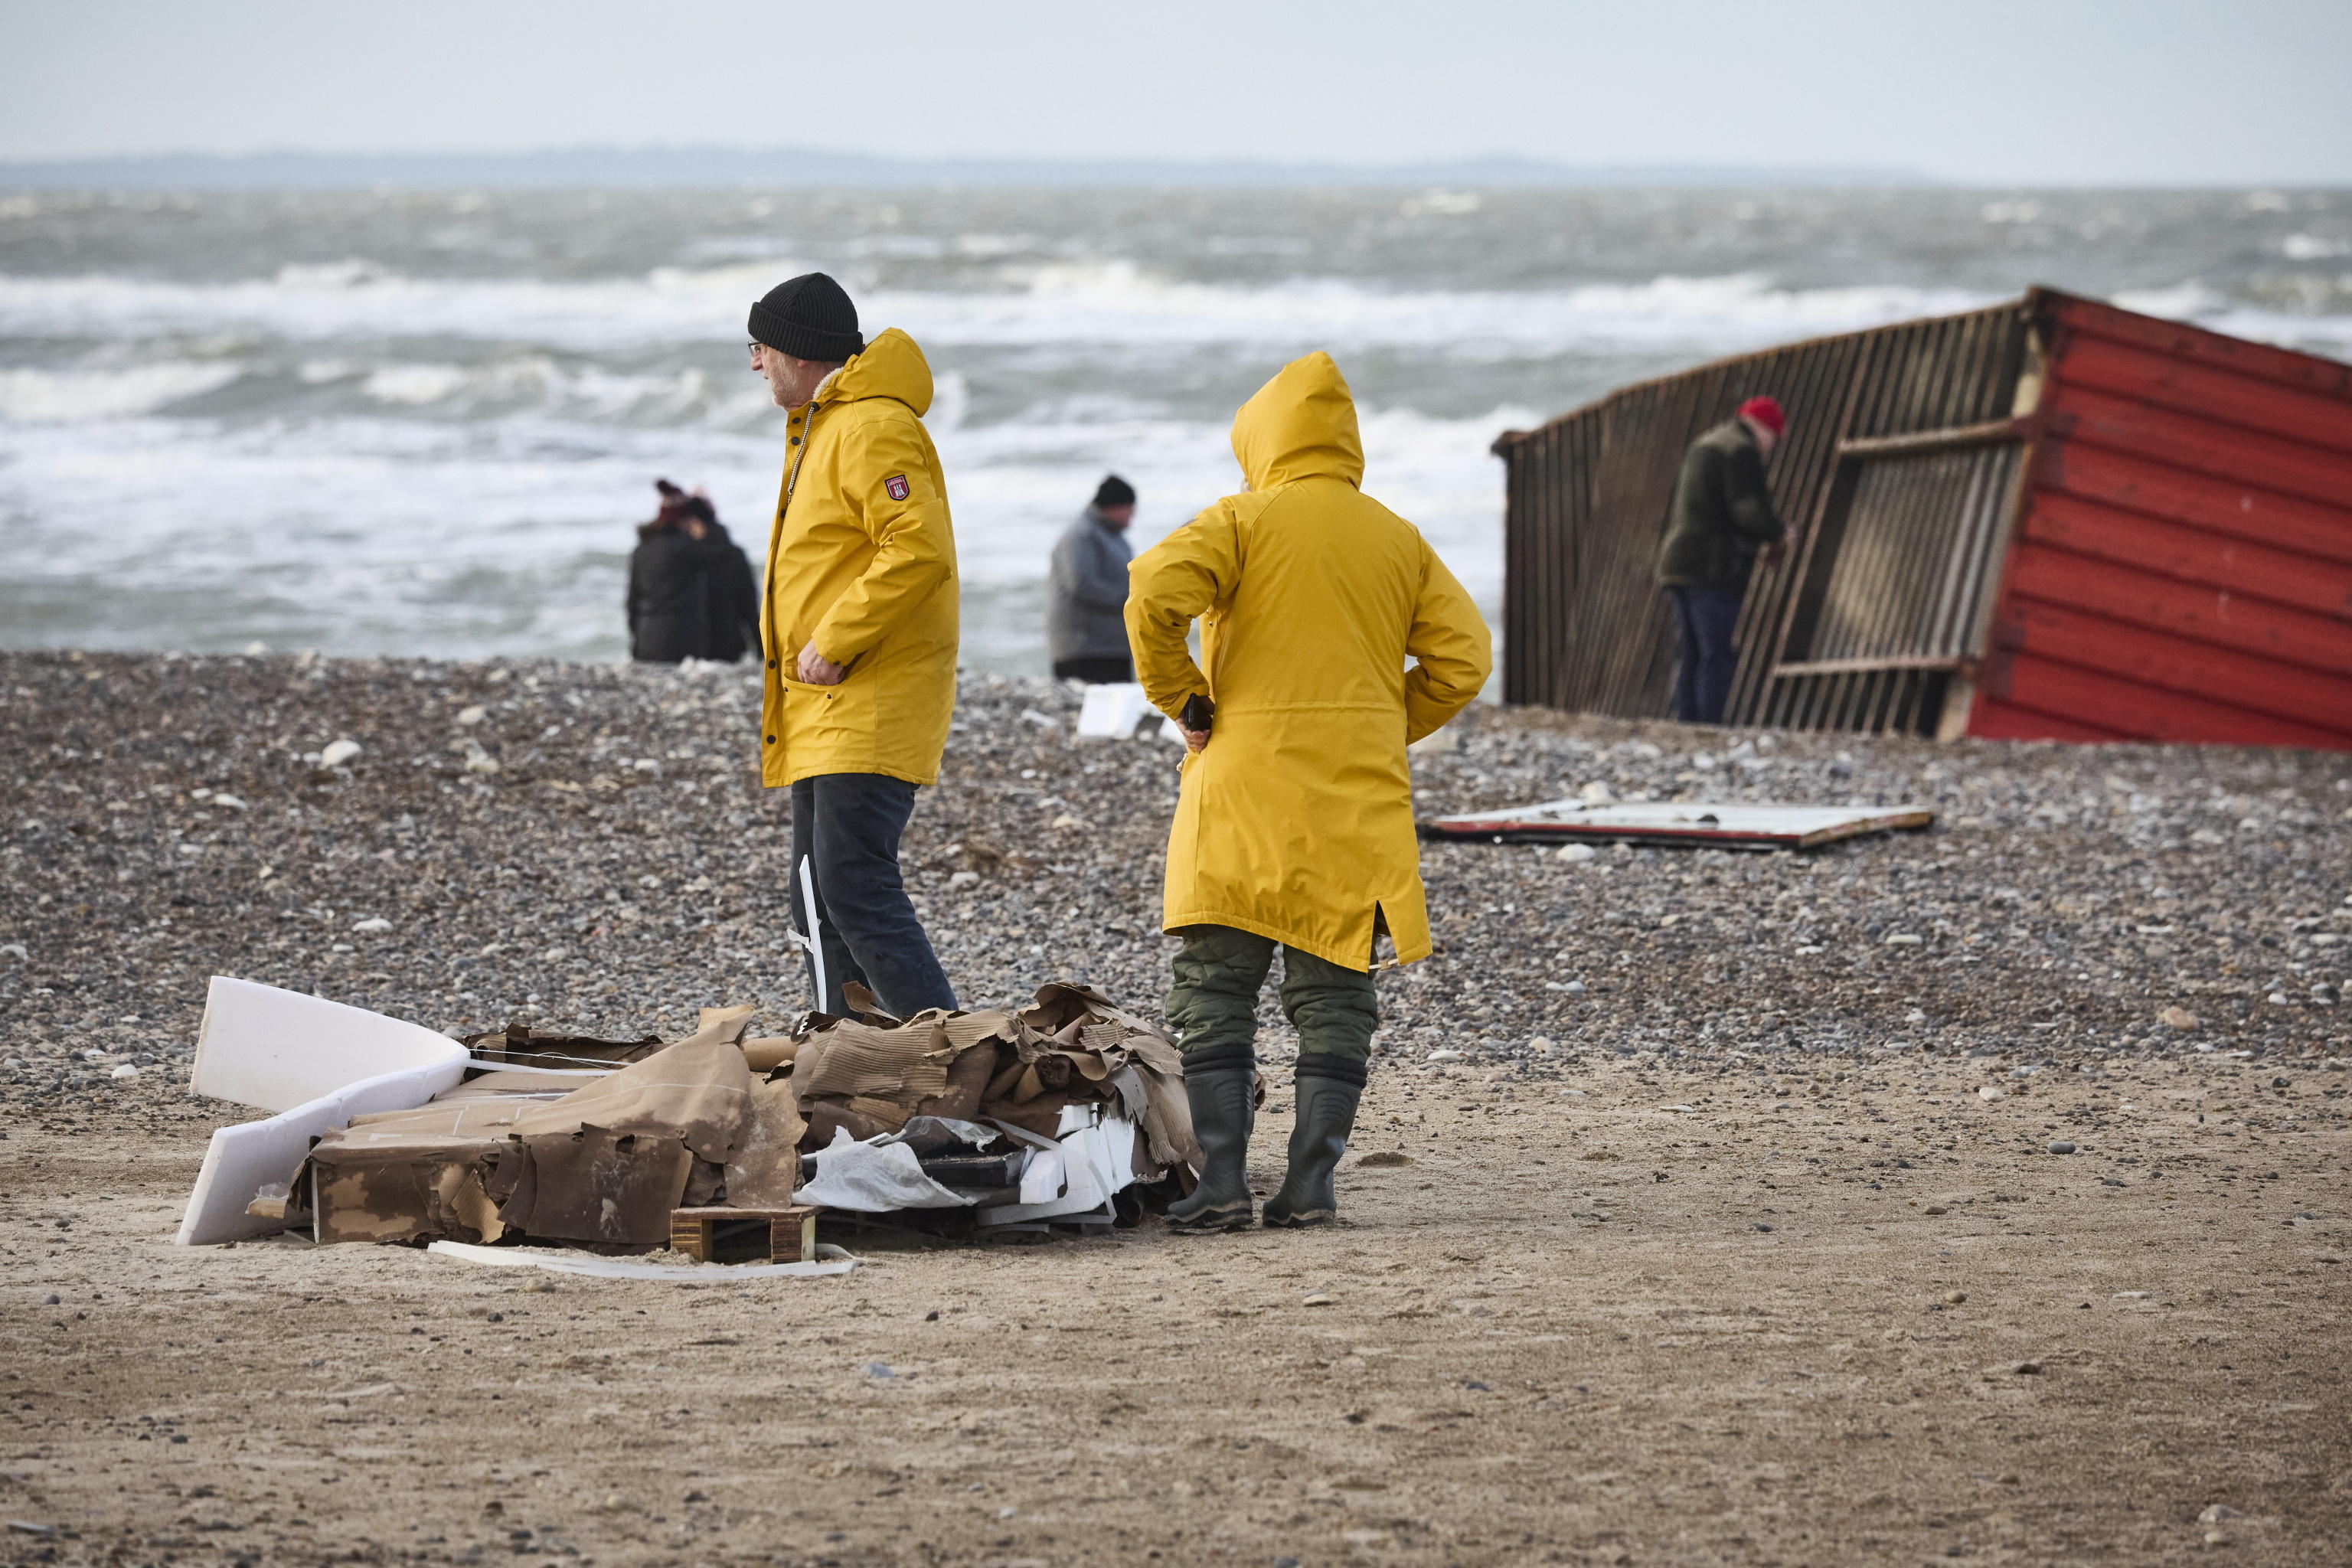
[
  {"x": 2210, "y": 308},
  {"x": 1055, "y": 304},
  {"x": 373, "y": 425},
  {"x": 35, "y": 397}
]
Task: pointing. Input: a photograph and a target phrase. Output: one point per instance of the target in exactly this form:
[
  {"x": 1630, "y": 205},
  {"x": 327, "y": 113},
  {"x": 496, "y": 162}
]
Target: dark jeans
[
  {"x": 1220, "y": 970},
  {"x": 1107, "y": 670},
  {"x": 848, "y": 826},
  {"x": 1704, "y": 618}
]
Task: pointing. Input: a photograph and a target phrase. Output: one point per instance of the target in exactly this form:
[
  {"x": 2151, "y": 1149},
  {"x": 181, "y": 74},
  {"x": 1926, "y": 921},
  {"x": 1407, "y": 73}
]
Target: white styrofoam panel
[
  {"x": 276, "y": 1049},
  {"x": 317, "y": 1064},
  {"x": 241, "y": 1160}
]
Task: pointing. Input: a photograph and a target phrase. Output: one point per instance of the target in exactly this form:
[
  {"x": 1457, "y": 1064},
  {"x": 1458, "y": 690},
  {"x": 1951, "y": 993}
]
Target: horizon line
[
  {"x": 735, "y": 167},
  {"x": 792, "y": 165}
]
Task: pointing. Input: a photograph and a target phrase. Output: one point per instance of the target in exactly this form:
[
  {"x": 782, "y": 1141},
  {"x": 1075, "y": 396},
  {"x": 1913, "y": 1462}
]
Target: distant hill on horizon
[{"x": 724, "y": 167}]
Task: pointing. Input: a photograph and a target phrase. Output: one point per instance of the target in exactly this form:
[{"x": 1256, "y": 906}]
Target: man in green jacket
[{"x": 1722, "y": 517}]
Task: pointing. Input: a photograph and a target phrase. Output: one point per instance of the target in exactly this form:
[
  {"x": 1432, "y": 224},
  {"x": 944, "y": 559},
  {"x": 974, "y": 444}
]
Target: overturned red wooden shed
[{"x": 2052, "y": 518}]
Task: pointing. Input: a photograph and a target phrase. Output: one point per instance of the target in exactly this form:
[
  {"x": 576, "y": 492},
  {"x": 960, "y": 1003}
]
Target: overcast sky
[{"x": 1989, "y": 92}]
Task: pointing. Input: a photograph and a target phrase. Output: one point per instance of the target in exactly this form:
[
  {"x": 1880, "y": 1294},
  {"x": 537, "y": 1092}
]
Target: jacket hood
[
  {"x": 891, "y": 367},
  {"x": 1300, "y": 425}
]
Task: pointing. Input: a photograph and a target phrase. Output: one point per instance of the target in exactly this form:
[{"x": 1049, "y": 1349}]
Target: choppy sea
[{"x": 415, "y": 422}]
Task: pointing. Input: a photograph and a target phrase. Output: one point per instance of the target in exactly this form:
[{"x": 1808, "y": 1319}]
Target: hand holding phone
[{"x": 1195, "y": 718}]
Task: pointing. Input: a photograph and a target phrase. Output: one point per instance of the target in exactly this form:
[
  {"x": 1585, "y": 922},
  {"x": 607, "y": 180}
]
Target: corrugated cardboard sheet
[{"x": 602, "y": 1156}]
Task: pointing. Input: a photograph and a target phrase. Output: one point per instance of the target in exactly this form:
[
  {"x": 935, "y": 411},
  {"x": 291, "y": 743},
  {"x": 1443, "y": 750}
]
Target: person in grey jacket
[{"x": 1085, "y": 617}]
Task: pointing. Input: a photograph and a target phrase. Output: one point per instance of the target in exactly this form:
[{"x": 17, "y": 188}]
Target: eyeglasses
[{"x": 755, "y": 345}]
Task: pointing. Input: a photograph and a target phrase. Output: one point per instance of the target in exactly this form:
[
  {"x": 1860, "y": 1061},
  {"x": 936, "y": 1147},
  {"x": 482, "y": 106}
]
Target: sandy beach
[{"x": 1734, "y": 1234}]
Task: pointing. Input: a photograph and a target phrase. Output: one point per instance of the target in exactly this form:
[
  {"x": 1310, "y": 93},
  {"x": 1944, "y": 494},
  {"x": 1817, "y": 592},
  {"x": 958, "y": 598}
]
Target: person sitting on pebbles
[{"x": 1294, "y": 823}]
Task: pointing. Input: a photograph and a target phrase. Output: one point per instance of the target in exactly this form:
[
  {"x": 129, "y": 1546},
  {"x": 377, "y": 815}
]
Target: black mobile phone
[{"x": 1199, "y": 713}]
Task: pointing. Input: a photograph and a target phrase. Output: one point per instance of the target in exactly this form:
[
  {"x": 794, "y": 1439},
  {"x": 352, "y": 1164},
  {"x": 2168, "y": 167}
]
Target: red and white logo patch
[{"x": 897, "y": 485}]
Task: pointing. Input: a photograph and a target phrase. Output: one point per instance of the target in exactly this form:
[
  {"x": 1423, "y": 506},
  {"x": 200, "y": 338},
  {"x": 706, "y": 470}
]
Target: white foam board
[
  {"x": 258, "y": 1045},
  {"x": 276, "y": 1049},
  {"x": 241, "y": 1160}
]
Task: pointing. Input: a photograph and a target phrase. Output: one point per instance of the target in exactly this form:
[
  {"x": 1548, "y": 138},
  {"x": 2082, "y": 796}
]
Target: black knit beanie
[
  {"x": 808, "y": 316},
  {"x": 1114, "y": 491}
]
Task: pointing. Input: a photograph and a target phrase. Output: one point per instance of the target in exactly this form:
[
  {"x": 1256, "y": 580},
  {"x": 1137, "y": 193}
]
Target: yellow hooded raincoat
[
  {"x": 861, "y": 561},
  {"x": 1296, "y": 822}
]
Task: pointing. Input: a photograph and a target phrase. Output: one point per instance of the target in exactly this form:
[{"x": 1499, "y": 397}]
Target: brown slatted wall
[{"x": 1584, "y": 626}]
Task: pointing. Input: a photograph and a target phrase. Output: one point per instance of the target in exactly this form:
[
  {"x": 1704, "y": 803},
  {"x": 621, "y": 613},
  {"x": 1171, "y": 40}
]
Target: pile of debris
[{"x": 1069, "y": 1112}]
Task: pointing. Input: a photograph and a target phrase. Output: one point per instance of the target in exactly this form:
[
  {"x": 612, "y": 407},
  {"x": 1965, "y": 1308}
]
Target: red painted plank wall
[{"x": 2182, "y": 566}]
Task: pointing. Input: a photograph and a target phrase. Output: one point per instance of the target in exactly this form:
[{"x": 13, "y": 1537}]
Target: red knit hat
[{"x": 1766, "y": 411}]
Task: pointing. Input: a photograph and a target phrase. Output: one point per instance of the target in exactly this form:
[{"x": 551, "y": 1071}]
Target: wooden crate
[{"x": 737, "y": 1236}]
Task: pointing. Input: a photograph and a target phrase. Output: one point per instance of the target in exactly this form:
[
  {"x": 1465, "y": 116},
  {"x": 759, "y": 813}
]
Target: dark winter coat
[
  {"x": 1721, "y": 515},
  {"x": 734, "y": 602},
  {"x": 1086, "y": 612},
  {"x": 671, "y": 596}
]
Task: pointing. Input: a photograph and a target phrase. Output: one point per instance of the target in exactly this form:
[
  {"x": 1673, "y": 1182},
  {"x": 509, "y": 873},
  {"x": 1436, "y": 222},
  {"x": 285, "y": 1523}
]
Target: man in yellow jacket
[
  {"x": 1294, "y": 827},
  {"x": 858, "y": 620}
]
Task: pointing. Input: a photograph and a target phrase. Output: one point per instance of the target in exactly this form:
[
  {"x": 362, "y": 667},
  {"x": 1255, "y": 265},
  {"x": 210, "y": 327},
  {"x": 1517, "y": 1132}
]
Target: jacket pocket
[{"x": 829, "y": 727}]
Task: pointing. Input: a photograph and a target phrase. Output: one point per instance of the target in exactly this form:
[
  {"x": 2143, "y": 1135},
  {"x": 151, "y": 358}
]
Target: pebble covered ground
[
  {"x": 588, "y": 847},
  {"x": 1695, "y": 1214}
]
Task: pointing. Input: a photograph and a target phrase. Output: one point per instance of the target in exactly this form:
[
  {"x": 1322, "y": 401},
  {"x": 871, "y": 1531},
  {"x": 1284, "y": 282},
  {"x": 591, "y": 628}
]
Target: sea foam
[{"x": 1053, "y": 304}]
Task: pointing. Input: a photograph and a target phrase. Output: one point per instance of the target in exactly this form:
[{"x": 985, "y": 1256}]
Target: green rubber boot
[
  {"x": 1326, "y": 1094},
  {"x": 1222, "y": 1094}
]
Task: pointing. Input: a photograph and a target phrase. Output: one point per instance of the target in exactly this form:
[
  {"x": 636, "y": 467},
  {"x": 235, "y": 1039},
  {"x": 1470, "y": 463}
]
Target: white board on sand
[
  {"x": 316, "y": 1063},
  {"x": 1678, "y": 822}
]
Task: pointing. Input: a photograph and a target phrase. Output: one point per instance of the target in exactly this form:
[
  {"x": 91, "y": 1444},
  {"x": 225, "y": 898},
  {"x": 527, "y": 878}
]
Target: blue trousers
[
  {"x": 1704, "y": 618},
  {"x": 848, "y": 826}
]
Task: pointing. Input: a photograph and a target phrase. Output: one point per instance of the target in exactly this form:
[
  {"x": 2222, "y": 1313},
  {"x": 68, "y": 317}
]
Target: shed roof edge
[{"x": 2029, "y": 301}]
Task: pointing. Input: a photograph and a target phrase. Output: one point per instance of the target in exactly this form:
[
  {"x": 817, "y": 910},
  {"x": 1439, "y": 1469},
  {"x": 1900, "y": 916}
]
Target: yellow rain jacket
[
  {"x": 861, "y": 560},
  {"x": 1296, "y": 821}
]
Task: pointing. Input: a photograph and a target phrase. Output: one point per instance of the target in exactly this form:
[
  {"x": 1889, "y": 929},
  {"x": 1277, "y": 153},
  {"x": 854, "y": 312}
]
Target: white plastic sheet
[
  {"x": 631, "y": 1268},
  {"x": 874, "y": 1177},
  {"x": 1096, "y": 1153}
]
